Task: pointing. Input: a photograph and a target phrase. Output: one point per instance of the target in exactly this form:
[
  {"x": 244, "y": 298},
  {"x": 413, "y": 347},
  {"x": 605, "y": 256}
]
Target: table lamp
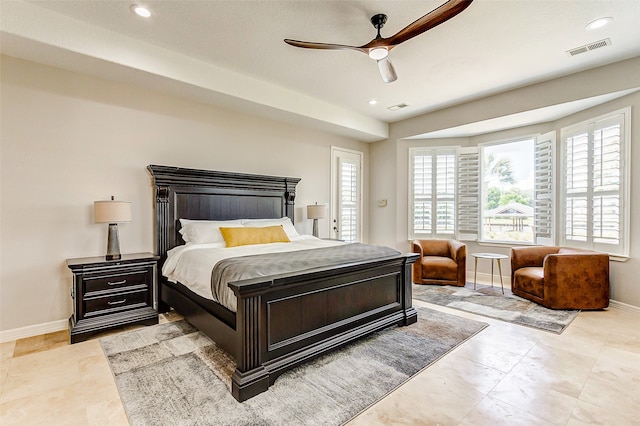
[
  {"x": 315, "y": 212},
  {"x": 112, "y": 212}
]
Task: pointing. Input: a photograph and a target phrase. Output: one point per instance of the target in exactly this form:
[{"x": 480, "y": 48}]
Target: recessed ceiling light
[
  {"x": 598, "y": 23},
  {"x": 140, "y": 10},
  {"x": 372, "y": 102}
]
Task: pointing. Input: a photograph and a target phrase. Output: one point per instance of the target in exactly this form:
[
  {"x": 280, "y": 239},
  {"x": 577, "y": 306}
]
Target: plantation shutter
[
  {"x": 445, "y": 188},
  {"x": 595, "y": 184},
  {"x": 348, "y": 199},
  {"x": 468, "y": 201},
  {"x": 346, "y": 194},
  {"x": 607, "y": 212},
  {"x": 576, "y": 153},
  {"x": 420, "y": 224},
  {"x": 432, "y": 201},
  {"x": 544, "y": 194}
]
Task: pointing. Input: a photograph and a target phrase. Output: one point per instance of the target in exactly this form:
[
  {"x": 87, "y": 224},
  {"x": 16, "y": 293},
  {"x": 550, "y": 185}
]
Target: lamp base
[
  {"x": 113, "y": 243},
  {"x": 315, "y": 228}
]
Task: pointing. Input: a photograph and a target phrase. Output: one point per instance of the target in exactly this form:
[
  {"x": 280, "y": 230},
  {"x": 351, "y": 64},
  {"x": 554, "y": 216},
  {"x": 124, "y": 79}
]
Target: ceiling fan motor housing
[{"x": 378, "y": 21}]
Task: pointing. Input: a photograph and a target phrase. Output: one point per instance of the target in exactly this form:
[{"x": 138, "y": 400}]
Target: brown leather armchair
[
  {"x": 561, "y": 278},
  {"x": 442, "y": 262}
]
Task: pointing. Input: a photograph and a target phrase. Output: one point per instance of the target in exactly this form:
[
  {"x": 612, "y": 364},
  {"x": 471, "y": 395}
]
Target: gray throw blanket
[{"x": 262, "y": 265}]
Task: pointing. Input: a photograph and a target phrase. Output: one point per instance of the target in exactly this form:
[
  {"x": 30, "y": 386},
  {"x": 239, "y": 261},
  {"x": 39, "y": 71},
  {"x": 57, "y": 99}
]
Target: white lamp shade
[
  {"x": 112, "y": 211},
  {"x": 316, "y": 211}
]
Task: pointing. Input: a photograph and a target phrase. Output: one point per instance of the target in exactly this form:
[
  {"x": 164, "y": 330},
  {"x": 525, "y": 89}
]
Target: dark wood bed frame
[{"x": 284, "y": 320}]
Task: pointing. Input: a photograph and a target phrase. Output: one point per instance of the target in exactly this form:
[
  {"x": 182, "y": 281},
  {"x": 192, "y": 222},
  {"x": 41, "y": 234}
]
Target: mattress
[{"x": 192, "y": 264}]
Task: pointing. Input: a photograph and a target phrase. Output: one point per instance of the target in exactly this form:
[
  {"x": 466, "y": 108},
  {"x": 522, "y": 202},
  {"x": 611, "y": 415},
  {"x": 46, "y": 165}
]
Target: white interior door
[{"x": 346, "y": 194}]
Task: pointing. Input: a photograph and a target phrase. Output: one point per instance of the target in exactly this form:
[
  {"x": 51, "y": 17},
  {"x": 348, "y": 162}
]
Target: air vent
[
  {"x": 397, "y": 107},
  {"x": 588, "y": 47}
]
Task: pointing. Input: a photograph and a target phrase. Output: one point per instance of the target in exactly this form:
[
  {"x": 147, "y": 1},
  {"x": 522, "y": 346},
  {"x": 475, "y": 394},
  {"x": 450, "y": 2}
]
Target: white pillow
[
  {"x": 205, "y": 231},
  {"x": 289, "y": 229}
]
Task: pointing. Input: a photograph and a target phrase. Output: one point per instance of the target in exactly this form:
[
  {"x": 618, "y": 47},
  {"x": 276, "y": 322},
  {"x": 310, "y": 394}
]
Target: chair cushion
[
  {"x": 437, "y": 248},
  {"x": 530, "y": 280},
  {"x": 442, "y": 268}
]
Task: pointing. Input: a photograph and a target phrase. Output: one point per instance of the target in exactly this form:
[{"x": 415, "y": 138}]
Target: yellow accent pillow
[{"x": 247, "y": 235}]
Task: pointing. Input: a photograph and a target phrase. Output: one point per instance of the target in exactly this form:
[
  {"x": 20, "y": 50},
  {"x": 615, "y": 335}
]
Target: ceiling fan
[{"x": 378, "y": 48}]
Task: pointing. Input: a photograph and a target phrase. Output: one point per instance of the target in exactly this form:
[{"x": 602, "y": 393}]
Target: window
[
  {"x": 595, "y": 184},
  {"x": 433, "y": 193},
  {"x": 346, "y": 216},
  {"x": 508, "y": 203}
]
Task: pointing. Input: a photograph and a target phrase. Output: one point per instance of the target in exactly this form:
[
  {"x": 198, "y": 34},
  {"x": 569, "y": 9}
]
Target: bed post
[
  {"x": 290, "y": 197},
  {"x": 162, "y": 218},
  {"x": 410, "y": 313},
  {"x": 162, "y": 235},
  {"x": 250, "y": 378}
]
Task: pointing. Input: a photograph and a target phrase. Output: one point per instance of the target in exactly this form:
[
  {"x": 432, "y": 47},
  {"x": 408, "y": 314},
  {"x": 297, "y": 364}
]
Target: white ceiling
[{"x": 232, "y": 52}]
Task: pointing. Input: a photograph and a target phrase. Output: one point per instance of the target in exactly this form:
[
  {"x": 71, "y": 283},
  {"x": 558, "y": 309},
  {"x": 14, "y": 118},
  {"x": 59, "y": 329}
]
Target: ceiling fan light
[{"x": 378, "y": 53}]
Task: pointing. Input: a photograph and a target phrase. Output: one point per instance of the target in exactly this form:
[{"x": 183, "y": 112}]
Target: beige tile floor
[{"x": 505, "y": 375}]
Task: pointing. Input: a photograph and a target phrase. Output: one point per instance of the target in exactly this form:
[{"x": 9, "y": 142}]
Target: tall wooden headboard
[{"x": 212, "y": 195}]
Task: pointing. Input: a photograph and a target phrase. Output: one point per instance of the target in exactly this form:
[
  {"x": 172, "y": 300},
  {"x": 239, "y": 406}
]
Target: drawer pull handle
[
  {"x": 119, "y": 302},
  {"x": 117, "y": 282}
]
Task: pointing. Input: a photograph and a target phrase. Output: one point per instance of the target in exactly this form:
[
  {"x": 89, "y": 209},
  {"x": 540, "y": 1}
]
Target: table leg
[
  {"x": 500, "y": 271},
  {"x": 475, "y": 277},
  {"x": 491, "y": 273}
]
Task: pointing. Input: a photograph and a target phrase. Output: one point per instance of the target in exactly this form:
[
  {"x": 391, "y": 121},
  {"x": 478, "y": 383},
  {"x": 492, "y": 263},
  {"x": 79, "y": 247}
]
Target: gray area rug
[
  {"x": 171, "y": 374},
  {"x": 490, "y": 302}
]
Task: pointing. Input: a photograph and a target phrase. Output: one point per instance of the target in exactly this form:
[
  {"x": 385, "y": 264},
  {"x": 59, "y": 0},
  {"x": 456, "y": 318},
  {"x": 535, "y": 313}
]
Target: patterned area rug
[
  {"x": 171, "y": 374},
  {"x": 490, "y": 302}
]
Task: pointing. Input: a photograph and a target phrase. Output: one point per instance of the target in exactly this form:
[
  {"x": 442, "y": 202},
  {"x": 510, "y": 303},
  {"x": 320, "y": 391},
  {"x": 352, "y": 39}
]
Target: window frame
[
  {"x": 434, "y": 152},
  {"x": 483, "y": 189},
  {"x": 620, "y": 250}
]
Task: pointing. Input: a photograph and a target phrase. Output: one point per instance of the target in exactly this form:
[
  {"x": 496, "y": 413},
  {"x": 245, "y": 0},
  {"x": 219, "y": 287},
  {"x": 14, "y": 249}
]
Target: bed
[{"x": 280, "y": 320}]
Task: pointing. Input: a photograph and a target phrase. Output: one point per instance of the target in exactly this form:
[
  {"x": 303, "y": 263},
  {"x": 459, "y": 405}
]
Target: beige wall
[
  {"x": 69, "y": 139},
  {"x": 625, "y": 287}
]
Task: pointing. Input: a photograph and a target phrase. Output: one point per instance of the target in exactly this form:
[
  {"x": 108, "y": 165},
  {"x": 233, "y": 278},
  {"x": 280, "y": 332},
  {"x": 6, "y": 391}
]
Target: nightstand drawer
[
  {"x": 115, "y": 282},
  {"x": 116, "y": 302}
]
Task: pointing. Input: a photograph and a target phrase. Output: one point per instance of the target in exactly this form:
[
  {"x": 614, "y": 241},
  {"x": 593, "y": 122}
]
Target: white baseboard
[
  {"x": 624, "y": 307},
  {"x": 33, "y": 330},
  {"x": 53, "y": 326}
]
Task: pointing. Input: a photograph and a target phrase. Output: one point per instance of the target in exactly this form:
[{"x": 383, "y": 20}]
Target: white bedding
[{"x": 192, "y": 264}]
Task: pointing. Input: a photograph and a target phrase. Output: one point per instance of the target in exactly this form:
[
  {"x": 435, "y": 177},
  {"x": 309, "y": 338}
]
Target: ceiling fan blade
[
  {"x": 387, "y": 71},
  {"x": 325, "y": 46},
  {"x": 428, "y": 21}
]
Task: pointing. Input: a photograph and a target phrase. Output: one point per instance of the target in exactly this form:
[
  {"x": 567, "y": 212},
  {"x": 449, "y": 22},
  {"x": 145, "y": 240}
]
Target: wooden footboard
[{"x": 286, "y": 320}]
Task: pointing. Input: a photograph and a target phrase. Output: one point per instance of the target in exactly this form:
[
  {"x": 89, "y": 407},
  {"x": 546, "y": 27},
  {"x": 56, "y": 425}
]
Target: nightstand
[{"x": 112, "y": 293}]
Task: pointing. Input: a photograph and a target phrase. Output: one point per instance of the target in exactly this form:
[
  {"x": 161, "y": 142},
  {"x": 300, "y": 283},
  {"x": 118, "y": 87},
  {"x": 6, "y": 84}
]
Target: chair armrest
[
  {"x": 457, "y": 250},
  {"x": 576, "y": 275},
  {"x": 416, "y": 268},
  {"x": 416, "y": 247},
  {"x": 523, "y": 257}
]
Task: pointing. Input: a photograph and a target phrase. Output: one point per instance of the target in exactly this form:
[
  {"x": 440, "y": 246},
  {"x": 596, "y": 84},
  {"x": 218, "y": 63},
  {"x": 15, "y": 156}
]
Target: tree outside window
[{"x": 508, "y": 185}]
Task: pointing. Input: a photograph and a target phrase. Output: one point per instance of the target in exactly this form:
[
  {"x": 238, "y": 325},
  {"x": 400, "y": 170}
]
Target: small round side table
[{"x": 492, "y": 257}]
